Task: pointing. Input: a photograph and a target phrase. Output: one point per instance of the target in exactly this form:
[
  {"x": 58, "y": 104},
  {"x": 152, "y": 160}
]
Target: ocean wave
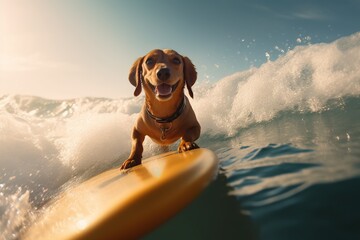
[
  {"x": 75, "y": 132},
  {"x": 47, "y": 108},
  {"x": 305, "y": 79},
  {"x": 45, "y": 143}
]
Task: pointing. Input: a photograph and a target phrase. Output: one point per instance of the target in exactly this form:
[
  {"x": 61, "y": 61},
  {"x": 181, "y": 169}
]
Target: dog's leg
[
  {"x": 188, "y": 140},
  {"x": 136, "y": 150}
]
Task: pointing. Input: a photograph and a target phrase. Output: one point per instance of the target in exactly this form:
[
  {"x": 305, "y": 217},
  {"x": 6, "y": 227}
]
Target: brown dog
[{"x": 166, "y": 115}]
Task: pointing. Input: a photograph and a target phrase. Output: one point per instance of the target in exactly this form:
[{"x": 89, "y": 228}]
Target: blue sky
[{"x": 77, "y": 48}]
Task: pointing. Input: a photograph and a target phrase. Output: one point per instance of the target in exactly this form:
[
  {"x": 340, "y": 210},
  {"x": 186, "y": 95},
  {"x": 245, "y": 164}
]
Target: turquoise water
[
  {"x": 287, "y": 135},
  {"x": 305, "y": 184},
  {"x": 296, "y": 177}
]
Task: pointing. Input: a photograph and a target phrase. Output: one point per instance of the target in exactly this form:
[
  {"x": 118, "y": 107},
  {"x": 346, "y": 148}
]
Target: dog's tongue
[{"x": 163, "y": 89}]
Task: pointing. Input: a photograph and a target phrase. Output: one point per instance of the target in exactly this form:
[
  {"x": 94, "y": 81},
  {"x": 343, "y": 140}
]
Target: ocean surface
[{"x": 287, "y": 135}]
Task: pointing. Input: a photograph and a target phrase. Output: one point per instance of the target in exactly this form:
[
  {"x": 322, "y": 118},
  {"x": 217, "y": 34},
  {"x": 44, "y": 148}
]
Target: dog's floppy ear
[
  {"x": 135, "y": 75},
  {"x": 190, "y": 74}
]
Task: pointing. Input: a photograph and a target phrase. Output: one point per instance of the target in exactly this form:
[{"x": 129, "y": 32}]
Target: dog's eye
[
  {"x": 176, "y": 60},
  {"x": 149, "y": 61}
]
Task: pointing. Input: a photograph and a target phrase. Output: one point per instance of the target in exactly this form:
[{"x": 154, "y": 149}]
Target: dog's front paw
[
  {"x": 130, "y": 163},
  {"x": 186, "y": 146}
]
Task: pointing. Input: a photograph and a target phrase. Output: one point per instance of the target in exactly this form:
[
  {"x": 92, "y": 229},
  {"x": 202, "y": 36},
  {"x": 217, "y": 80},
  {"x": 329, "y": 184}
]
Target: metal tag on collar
[{"x": 164, "y": 131}]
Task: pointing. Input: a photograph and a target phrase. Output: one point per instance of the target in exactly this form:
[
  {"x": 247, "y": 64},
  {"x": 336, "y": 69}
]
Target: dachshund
[{"x": 166, "y": 114}]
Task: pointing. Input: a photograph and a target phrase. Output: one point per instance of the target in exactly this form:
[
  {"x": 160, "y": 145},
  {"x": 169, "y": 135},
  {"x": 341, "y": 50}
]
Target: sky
[{"x": 62, "y": 49}]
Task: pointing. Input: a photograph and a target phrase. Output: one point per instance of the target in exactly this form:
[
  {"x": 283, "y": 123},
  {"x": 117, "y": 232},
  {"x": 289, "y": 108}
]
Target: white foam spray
[{"x": 304, "y": 79}]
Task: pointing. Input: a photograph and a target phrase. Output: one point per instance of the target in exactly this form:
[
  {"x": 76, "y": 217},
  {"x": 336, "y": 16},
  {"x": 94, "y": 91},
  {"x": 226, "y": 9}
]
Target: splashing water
[{"x": 45, "y": 144}]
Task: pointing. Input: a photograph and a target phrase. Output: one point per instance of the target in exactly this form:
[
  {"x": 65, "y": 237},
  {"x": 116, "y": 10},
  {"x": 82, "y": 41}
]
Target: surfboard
[{"x": 127, "y": 204}]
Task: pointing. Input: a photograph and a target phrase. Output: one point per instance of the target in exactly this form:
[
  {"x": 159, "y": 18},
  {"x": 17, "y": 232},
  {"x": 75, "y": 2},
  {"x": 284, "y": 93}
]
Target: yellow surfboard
[{"x": 127, "y": 204}]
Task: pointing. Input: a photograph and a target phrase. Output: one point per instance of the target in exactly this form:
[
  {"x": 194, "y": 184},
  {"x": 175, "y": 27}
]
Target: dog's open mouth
[{"x": 164, "y": 90}]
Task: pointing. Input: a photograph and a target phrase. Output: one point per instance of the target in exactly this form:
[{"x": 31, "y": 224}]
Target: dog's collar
[{"x": 177, "y": 113}]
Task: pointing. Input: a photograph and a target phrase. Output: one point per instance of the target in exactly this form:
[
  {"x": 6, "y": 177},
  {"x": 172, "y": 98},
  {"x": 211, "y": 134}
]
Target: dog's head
[{"x": 162, "y": 72}]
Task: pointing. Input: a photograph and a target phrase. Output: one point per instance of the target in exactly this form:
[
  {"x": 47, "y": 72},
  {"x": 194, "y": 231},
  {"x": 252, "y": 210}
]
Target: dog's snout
[{"x": 163, "y": 74}]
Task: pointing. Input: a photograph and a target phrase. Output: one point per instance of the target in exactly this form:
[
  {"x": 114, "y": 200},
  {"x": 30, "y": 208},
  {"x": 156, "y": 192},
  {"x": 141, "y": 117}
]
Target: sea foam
[{"x": 304, "y": 79}]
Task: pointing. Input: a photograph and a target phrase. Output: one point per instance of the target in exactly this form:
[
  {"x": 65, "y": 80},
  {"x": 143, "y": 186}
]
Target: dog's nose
[{"x": 163, "y": 74}]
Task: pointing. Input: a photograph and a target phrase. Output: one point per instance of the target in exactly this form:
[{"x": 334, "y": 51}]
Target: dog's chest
[{"x": 165, "y": 133}]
